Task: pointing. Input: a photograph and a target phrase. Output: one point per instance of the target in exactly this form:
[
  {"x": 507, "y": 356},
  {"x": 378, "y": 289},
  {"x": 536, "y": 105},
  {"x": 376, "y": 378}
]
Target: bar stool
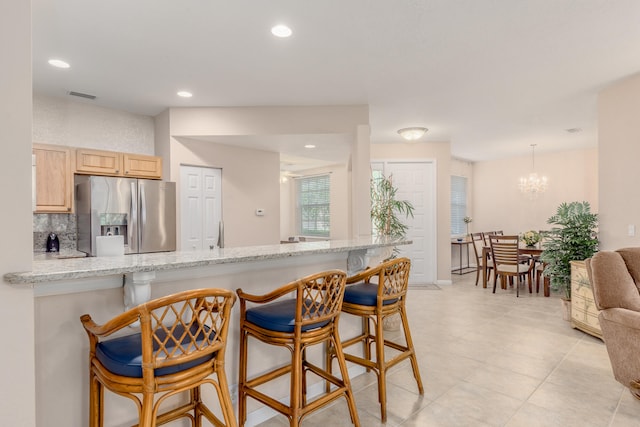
[
  {"x": 374, "y": 302},
  {"x": 310, "y": 318},
  {"x": 179, "y": 347}
]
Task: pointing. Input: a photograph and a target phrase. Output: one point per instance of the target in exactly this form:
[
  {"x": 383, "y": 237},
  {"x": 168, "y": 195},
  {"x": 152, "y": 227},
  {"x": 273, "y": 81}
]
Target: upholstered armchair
[{"x": 615, "y": 279}]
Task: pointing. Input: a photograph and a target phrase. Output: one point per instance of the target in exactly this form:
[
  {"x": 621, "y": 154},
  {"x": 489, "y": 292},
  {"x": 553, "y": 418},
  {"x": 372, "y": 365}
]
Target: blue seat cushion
[
  {"x": 364, "y": 294},
  {"x": 278, "y": 316},
  {"x": 123, "y": 355}
]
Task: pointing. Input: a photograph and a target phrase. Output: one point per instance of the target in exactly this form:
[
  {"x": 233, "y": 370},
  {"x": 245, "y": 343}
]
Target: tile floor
[{"x": 491, "y": 360}]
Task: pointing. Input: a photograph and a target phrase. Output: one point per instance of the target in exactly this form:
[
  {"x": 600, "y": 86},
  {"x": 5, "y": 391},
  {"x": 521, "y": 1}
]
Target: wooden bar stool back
[
  {"x": 308, "y": 319},
  {"x": 374, "y": 295},
  {"x": 179, "y": 346}
]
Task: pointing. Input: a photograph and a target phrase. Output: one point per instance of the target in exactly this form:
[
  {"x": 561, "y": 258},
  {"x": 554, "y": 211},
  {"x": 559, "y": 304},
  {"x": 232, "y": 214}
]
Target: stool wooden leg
[
  {"x": 96, "y": 402},
  {"x": 412, "y": 358},
  {"x": 296, "y": 387},
  {"x": 366, "y": 343},
  {"x": 242, "y": 379},
  {"x": 146, "y": 412},
  {"x": 382, "y": 369},
  {"x": 224, "y": 397},
  {"x": 353, "y": 412}
]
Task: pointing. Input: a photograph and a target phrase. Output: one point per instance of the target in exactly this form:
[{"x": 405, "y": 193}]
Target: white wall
[
  {"x": 498, "y": 203},
  {"x": 339, "y": 202},
  {"x": 17, "y": 405},
  {"x": 619, "y": 151},
  {"x": 179, "y": 126},
  {"x": 250, "y": 180},
  {"x": 70, "y": 122}
]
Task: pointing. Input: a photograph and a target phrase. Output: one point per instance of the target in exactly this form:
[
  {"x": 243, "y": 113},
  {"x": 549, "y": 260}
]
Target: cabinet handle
[
  {"x": 126, "y": 172},
  {"x": 117, "y": 170},
  {"x": 68, "y": 209}
]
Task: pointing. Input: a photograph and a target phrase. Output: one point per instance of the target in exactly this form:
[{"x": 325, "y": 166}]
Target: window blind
[
  {"x": 458, "y": 205},
  {"x": 313, "y": 205}
]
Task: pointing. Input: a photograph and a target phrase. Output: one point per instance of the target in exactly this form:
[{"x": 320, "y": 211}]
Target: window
[
  {"x": 458, "y": 205},
  {"x": 313, "y": 205}
]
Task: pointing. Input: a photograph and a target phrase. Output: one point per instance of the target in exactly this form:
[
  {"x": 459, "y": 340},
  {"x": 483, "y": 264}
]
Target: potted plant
[
  {"x": 572, "y": 238},
  {"x": 386, "y": 219},
  {"x": 386, "y": 210}
]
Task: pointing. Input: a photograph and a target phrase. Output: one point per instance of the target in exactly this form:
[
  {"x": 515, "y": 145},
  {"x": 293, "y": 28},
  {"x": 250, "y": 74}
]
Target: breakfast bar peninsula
[{"x": 66, "y": 288}]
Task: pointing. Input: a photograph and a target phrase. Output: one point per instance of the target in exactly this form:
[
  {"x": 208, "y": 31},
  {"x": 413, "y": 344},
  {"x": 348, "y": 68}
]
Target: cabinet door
[
  {"x": 53, "y": 178},
  {"x": 141, "y": 166},
  {"x": 97, "y": 162}
]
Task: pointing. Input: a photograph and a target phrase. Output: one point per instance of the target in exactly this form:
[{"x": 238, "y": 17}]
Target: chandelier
[{"x": 533, "y": 184}]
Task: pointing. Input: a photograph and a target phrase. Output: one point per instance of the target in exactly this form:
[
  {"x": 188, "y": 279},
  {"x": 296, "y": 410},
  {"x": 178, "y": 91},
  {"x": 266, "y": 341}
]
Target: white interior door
[
  {"x": 416, "y": 182},
  {"x": 201, "y": 207}
]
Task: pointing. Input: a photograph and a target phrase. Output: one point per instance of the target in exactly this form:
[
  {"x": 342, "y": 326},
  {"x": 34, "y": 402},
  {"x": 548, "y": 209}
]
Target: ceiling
[{"x": 491, "y": 76}]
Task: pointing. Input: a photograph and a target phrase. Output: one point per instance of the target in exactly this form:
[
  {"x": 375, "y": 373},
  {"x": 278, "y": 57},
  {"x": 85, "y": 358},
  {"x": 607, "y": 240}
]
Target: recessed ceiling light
[
  {"x": 59, "y": 63},
  {"x": 309, "y": 146},
  {"x": 281, "y": 31},
  {"x": 185, "y": 94},
  {"x": 574, "y": 130}
]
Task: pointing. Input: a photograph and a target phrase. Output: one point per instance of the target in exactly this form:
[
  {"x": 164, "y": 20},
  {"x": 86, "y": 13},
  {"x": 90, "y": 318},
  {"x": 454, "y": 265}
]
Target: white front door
[
  {"x": 416, "y": 182},
  {"x": 201, "y": 207}
]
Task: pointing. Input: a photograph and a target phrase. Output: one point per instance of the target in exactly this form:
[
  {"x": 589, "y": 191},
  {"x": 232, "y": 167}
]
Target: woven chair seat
[
  {"x": 364, "y": 294},
  {"x": 281, "y": 316},
  {"x": 123, "y": 355}
]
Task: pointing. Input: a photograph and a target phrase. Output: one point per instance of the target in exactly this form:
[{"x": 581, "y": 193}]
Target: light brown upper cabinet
[
  {"x": 98, "y": 162},
  {"x": 141, "y": 166},
  {"x": 54, "y": 179}
]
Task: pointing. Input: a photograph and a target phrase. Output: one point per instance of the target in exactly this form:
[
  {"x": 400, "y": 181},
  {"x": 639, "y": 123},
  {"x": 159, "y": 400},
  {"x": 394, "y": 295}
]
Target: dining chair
[
  {"x": 309, "y": 318},
  {"x": 507, "y": 262},
  {"x": 478, "y": 246},
  {"x": 179, "y": 346},
  {"x": 375, "y": 294}
]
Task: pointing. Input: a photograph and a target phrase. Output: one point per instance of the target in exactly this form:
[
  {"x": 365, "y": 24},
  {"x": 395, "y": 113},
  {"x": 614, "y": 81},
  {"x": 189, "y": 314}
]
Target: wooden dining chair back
[
  {"x": 374, "y": 295},
  {"x": 179, "y": 345},
  {"x": 308, "y": 319},
  {"x": 478, "y": 247},
  {"x": 507, "y": 262}
]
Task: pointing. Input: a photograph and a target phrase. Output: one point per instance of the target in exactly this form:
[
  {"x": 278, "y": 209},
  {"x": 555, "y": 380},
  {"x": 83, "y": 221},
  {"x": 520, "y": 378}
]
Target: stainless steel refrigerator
[{"x": 141, "y": 210}]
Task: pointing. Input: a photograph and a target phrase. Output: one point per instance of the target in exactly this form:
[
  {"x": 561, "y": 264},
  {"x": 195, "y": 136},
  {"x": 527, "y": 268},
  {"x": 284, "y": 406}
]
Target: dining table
[{"x": 533, "y": 251}]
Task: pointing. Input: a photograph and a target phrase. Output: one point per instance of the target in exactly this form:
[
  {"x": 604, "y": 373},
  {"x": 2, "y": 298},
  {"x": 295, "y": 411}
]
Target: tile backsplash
[{"x": 64, "y": 225}]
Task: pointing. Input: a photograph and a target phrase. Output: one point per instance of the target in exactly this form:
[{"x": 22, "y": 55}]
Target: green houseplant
[
  {"x": 572, "y": 238},
  {"x": 386, "y": 210}
]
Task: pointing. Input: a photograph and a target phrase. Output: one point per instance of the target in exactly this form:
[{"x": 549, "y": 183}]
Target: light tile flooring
[{"x": 491, "y": 360}]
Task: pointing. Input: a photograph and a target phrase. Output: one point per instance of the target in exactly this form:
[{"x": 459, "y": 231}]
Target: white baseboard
[{"x": 444, "y": 282}]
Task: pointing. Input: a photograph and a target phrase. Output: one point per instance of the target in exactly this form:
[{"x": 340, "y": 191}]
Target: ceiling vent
[{"x": 82, "y": 95}]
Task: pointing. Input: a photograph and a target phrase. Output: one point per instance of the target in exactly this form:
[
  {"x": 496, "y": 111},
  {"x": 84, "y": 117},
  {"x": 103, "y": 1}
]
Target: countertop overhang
[{"x": 78, "y": 268}]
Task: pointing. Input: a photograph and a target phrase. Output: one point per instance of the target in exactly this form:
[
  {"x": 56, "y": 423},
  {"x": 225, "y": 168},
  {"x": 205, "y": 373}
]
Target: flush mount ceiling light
[
  {"x": 412, "y": 133},
  {"x": 309, "y": 146},
  {"x": 185, "y": 94},
  {"x": 59, "y": 63},
  {"x": 281, "y": 31},
  {"x": 534, "y": 184}
]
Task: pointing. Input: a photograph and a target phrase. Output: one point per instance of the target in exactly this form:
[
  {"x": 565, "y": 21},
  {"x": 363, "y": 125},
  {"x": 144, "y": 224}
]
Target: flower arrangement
[
  {"x": 530, "y": 237},
  {"x": 467, "y": 220}
]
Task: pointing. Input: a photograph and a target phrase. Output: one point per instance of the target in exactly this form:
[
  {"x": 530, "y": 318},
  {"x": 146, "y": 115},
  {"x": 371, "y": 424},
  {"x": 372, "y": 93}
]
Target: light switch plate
[{"x": 631, "y": 229}]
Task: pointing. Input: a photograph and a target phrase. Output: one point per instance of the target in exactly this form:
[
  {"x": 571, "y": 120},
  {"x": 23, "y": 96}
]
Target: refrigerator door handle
[
  {"x": 134, "y": 244},
  {"x": 143, "y": 207}
]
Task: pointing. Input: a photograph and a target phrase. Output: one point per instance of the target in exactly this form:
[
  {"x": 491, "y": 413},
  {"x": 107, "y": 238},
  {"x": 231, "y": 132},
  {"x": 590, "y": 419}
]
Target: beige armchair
[{"x": 615, "y": 279}]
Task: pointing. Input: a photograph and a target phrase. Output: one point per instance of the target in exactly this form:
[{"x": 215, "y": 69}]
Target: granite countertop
[{"x": 63, "y": 267}]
